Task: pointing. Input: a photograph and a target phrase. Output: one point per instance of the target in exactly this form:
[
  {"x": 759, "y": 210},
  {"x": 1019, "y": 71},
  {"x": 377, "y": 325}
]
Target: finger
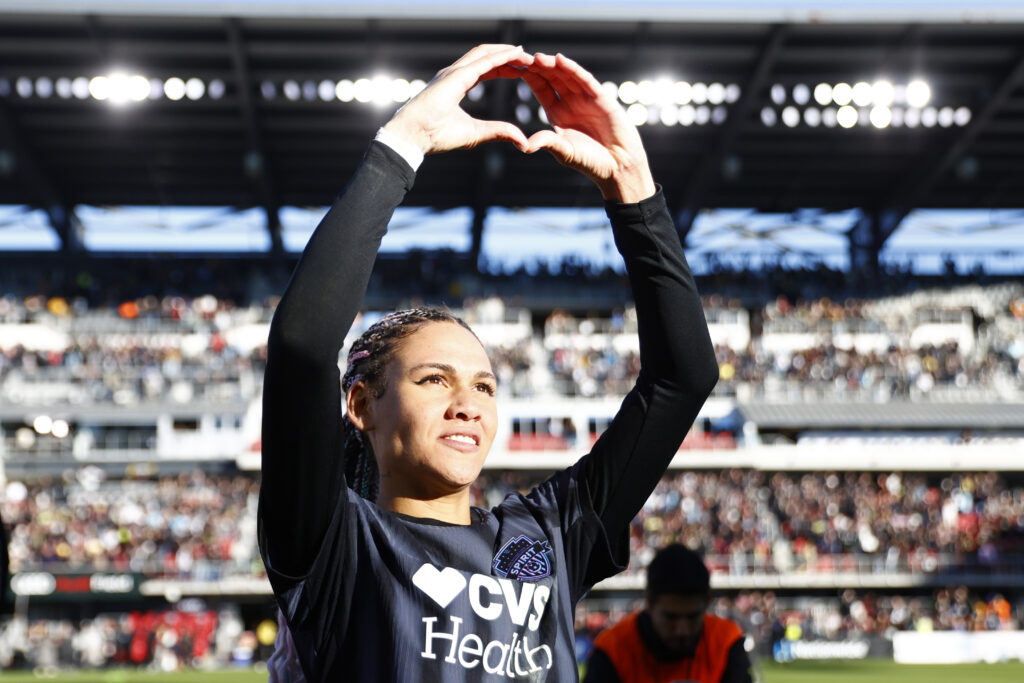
[
  {"x": 503, "y": 71},
  {"x": 584, "y": 78},
  {"x": 469, "y": 74},
  {"x": 480, "y": 51},
  {"x": 500, "y": 130},
  {"x": 547, "y": 66},
  {"x": 541, "y": 88},
  {"x": 552, "y": 142}
]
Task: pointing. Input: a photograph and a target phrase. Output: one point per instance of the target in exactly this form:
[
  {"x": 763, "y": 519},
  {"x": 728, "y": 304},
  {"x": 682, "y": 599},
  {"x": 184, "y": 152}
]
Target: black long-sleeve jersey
[{"x": 372, "y": 595}]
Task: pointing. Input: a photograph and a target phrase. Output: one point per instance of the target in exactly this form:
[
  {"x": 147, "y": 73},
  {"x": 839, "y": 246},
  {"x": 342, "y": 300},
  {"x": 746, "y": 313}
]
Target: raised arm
[
  {"x": 590, "y": 133},
  {"x": 303, "y": 467}
]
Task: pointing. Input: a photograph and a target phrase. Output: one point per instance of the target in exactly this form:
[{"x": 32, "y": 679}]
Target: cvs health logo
[{"x": 490, "y": 599}]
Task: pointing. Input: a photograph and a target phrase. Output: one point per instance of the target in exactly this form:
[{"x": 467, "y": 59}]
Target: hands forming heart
[{"x": 590, "y": 131}]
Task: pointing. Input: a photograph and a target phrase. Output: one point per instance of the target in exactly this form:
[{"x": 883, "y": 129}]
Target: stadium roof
[
  {"x": 244, "y": 141},
  {"x": 898, "y": 415}
]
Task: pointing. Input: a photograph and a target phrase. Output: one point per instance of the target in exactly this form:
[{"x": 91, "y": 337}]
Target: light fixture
[
  {"x": 682, "y": 92},
  {"x": 862, "y": 93},
  {"x": 687, "y": 114},
  {"x": 44, "y": 87},
  {"x": 768, "y": 116},
  {"x": 847, "y": 116},
  {"x": 268, "y": 90},
  {"x": 812, "y": 117},
  {"x": 929, "y": 117},
  {"x": 829, "y": 117},
  {"x": 962, "y": 116},
  {"x": 801, "y": 93},
  {"x": 362, "y": 90},
  {"x": 791, "y": 116},
  {"x": 918, "y": 93},
  {"x": 883, "y": 94},
  {"x": 716, "y": 93},
  {"x": 217, "y": 88},
  {"x": 778, "y": 93},
  {"x": 523, "y": 113},
  {"x": 645, "y": 92},
  {"x": 309, "y": 90},
  {"x": 699, "y": 93},
  {"x": 637, "y": 114},
  {"x": 823, "y": 94},
  {"x": 669, "y": 115},
  {"x": 627, "y": 92},
  {"x": 946, "y": 117},
  {"x": 80, "y": 87},
  {"x": 292, "y": 91},
  {"x": 99, "y": 87},
  {"x": 912, "y": 118},
  {"x": 63, "y": 88},
  {"x": 880, "y": 117},
  {"x": 344, "y": 90},
  {"x": 326, "y": 90},
  {"x": 702, "y": 115},
  {"x": 400, "y": 90},
  {"x": 842, "y": 94},
  {"x": 732, "y": 93},
  {"x": 23, "y": 86},
  {"x": 195, "y": 88}
]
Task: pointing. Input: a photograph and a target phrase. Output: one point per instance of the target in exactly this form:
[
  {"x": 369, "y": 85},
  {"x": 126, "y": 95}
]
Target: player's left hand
[{"x": 590, "y": 131}]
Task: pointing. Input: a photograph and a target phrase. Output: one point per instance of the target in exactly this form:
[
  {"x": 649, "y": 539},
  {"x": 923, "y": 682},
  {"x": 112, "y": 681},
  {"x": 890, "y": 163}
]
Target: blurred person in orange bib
[{"x": 672, "y": 639}]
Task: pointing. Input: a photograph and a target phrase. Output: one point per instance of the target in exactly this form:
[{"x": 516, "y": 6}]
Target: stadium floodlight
[
  {"x": 415, "y": 86},
  {"x": 345, "y": 90},
  {"x": 897, "y": 117},
  {"x": 929, "y": 117},
  {"x": 847, "y": 116},
  {"x": 912, "y": 117},
  {"x": 687, "y": 114},
  {"x": 44, "y": 87},
  {"x": 523, "y": 113},
  {"x": 962, "y": 116},
  {"x": 268, "y": 90},
  {"x": 718, "y": 115},
  {"x": 637, "y": 114},
  {"x": 326, "y": 90},
  {"x": 23, "y": 86},
  {"x": 778, "y": 93},
  {"x": 682, "y": 92},
  {"x": 363, "y": 90},
  {"x": 883, "y": 93},
  {"x": 195, "y": 88},
  {"x": 156, "y": 88},
  {"x": 137, "y": 87},
  {"x": 63, "y": 88},
  {"x": 732, "y": 93},
  {"x": 99, "y": 87},
  {"x": 812, "y": 117},
  {"x": 716, "y": 93},
  {"x": 880, "y": 117},
  {"x": 842, "y": 94},
  {"x": 400, "y": 90},
  {"x": 768, "y": 116},
  {"x": 702, "y": 115},
  {"x": 830, "y": 117},
  {"x": 823, "y": 94},
  {"x": 382, "y": 90},
  {"x": 801, "y": 94},
  {"x": 699, "y": 93},
  {"x": 669, "y": 115},
  {"x": 292, "y": 91},
  {"x": 862, "y": 93},
  {"x": 646, "y": 92},
  {"x": 525, "y": 94},
  {"x": 918, "y": 93},
  {"x": 476, "y": 93},
  {"x": 663, "y": 90},
  {"x": 309, "y": 90},
  {"x": 542, "y": 115},
  {"x": 946, "y": 116},
  {"x": 60, "y": 428},
  {"x": 80, "y": 87},
  {"x": 217, "y": 88},
  {"x": 627, "y": 92},
  {"x": 791, "y": 116},
  {"x": 43, "y": 423}
]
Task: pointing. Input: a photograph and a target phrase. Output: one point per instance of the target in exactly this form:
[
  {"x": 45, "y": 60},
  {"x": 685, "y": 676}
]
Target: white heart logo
[{"x": 442, "y": 586}]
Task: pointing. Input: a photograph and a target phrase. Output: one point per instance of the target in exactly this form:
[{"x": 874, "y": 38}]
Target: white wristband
[{"x": 412, "y": 154}]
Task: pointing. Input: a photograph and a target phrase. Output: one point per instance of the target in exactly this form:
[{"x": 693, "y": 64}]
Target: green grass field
[{"x": 798, "y": 672}]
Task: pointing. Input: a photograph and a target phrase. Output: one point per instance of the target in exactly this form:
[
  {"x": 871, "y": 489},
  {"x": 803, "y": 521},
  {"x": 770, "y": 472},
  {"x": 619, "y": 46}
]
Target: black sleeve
[
  {"x": 737, "y": 670},
  {"x": 600, "y": 668},
  {"x": 303, "y": 469},
  {"x": 678, "y": 372}
]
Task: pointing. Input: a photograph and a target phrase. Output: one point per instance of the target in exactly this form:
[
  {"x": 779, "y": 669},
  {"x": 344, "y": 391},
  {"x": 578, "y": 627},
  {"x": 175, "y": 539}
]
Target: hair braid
[{"x": 367, "y": 361}]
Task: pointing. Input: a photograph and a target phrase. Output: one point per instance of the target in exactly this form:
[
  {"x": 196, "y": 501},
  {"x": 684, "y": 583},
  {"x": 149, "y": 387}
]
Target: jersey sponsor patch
[{"x": 523, "y": 559}]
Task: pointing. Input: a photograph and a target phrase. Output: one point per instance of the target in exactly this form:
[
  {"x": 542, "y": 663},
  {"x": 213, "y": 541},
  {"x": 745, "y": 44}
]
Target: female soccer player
[{"x": 399, "y": 578}]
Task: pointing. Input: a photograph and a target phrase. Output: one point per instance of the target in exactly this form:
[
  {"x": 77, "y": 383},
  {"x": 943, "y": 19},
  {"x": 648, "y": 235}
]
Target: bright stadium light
[
  {"x": 44, "y": 87},
  {"x": 174, "y": 88},
  {"x": 637, "y": 114},
  {"x": 881, "y": 117},
  {"x": 732, "y": 93},
  {"x": 292, "y": 90},
  {"x": 156, "y": 88},
  {"x": 542, "y": 115},
  {"x": 842, "y": 94},
  {"x": 962, "y": 116},
  {"x": 946, "y": 117},
  {"x": 42, "y": 424},
  {"x": 883, "y": 94},
  {"x": 687, "y": 114},
  {"x": 416, "y": 86},
  {"x": 476, "y": 93},
  {"x": 645, "y": 92},
  {"x": 345, "y": 90},
  {"x": 847, "y": 116},
  {"x": 382, "y": 90},
  {"x": 218, "y": 88},
  {"x": 823, "y": 94},
  {"x": 716, "y": 93},
  {"x": 812, "y": 117},
  {"x": 400, "y": 90},
  {"x": 268, "y": 90},
  {"x": 702, "y": 115},
  {"x": 718, "y": 115},
  {"x": 918, "y": 93},
  {"x": 897, "y": 117},
  {"x": 63, "y": 88},
  {"x": 138, "y": 88},
  {"x": 862, "y": 93},
  {"x": 195, "y": 88},
  {"x": 912, "y": 118},
  {"x": 80, "y": 88},
  {"x": 23, "y": 86},
  {"x": 60, "y": 429},
  {"x": 768, "y": 116},
  {"x": 363, "y": 90},
  {"x": 309, "y": 90},
  {"x": 682, "y": 92},
  {"x": 699, "y": 93},
  {"x": 929, "y": 117},
  {"x": 627, "y": 92},
  {"x": 523, "y": 113},
  {"x": 791, "y": 116},
  {"x": 525, "y": 94},
  {"x": 778, "y": 93},
  {"x": 829, "y": 117},
  {"x": 801, "y": 93},
  {"x": 669, "y": 116},
  {"x": 99, "y": 87},
  {"x": 326, "y": 90}
]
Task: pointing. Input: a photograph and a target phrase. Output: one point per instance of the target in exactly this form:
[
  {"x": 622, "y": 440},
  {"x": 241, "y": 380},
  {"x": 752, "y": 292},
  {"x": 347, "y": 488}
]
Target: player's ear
[{"x": 358, "y": 406}]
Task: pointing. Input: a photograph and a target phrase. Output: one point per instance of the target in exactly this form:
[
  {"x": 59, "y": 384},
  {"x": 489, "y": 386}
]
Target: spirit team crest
[{"x": 523, "y": 559}]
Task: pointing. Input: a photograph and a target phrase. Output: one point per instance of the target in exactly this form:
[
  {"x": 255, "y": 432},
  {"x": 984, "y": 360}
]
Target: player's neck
[{"x": 452, "y": 508}]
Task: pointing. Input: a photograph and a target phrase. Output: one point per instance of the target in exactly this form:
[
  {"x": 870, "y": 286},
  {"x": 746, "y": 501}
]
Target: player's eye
[
  {"x": 486, "y": 388},
  {"x": 432, "y": 379}
]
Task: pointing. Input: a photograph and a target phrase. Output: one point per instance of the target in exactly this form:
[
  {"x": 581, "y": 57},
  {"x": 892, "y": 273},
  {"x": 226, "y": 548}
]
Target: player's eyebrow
[{"x": 450, "y": 369}]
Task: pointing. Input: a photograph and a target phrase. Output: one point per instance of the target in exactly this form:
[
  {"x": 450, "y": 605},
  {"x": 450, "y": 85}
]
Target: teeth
[{"x": 462, "y": 438}]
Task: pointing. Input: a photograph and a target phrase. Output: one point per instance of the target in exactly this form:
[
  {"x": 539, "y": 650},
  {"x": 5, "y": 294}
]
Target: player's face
[
  {"x": 678, "y": 620},
  {"x": 435, "y": 422}
]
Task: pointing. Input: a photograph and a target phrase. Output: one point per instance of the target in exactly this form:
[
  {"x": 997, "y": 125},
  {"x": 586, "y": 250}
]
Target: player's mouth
[{"x": 465, "y": 442}]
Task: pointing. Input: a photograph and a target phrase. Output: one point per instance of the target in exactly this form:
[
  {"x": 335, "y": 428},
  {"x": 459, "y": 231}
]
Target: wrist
[
  {"x": 398, "y": 129},
  {"x": 629, "y": 189}
]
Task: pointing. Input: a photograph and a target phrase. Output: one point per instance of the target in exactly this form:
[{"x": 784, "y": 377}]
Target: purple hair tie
[{"x": 358, "y": 355}]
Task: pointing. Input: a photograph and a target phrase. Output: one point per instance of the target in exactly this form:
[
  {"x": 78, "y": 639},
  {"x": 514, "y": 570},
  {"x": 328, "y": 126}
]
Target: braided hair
[{"x": 367, "y": 362}]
